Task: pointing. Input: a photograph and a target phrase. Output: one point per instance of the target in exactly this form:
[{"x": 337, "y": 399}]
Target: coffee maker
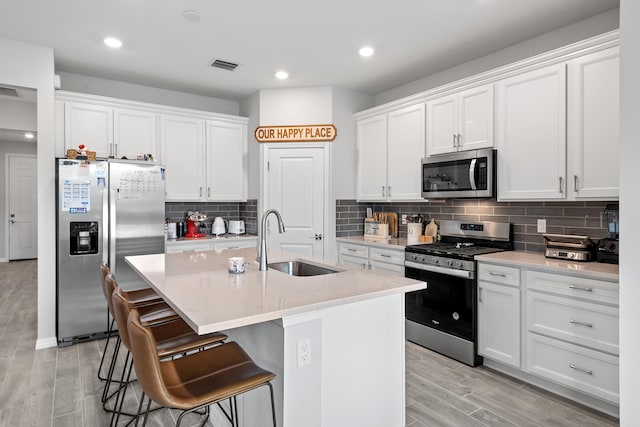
[
  {"x": 608, "y": 247},
  {"x": 194, "y": 219}
]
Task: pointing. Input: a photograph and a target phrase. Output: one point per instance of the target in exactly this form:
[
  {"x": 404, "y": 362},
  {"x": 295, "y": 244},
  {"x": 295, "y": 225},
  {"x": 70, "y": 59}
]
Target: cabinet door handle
[
  {"x": 389, "y": 191},
  {"x": 572, "y": 366},
  {"x": 577, "y": 322},
  {"x": 454, "y": 140},
  {"x": 383, "y": 191},
  {"x": 581, "y": 288},
  {"x": 459, "y": 140},
  {"x": 115, "y": 149},
  {"x": 493, "y": 273},
  {"x": 208, "y": 191},
  {"x": 480, "y": 294},
  {"x": 560, "y": 184},
  {"x": 200, "y": 191},
  {"x": 575, "y": 183}
]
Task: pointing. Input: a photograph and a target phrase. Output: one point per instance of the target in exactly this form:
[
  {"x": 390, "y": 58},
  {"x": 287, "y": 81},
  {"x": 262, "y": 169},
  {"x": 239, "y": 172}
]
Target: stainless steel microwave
[{"x": 465, "y": 174}]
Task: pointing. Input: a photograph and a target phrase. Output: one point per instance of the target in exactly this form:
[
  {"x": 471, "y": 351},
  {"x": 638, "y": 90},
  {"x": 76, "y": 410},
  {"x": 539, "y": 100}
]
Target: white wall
[
  {"x": 581, "y": 30},
  {"x": 18, "y": 115},
  {"x": 31, "y": 66},
  {"x": 629, "y": 213},
  {"x": 9, "y": 147},
  {"x": 293, "y": 106},
  {"x": 97, "y": 86},
  {"x": 250, "y": 107}
]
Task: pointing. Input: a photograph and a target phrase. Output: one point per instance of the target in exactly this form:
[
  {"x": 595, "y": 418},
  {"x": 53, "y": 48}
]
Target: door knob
[{"x": 316, "y": 237}]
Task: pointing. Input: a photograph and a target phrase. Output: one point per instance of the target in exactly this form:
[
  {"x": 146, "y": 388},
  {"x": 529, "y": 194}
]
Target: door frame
[
  {"x": 7, "y": 190},
  {"x": 329, "y": 226}
]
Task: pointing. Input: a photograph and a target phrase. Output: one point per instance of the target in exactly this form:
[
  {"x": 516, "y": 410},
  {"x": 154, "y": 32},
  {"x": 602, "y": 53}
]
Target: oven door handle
[{"x": 442, "y": 270}]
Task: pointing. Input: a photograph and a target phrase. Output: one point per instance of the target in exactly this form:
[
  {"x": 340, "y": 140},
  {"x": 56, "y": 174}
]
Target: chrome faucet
[{"x": 262, "y": 257}]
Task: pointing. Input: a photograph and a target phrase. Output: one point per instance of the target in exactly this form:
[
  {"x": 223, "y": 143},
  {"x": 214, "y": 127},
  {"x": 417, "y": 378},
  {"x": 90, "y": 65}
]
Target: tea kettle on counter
[{"x": 218, "y": 227}]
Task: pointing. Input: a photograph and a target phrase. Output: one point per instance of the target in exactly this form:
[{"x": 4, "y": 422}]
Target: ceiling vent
[
  {"x": 9, "y": 91},
  {"x": 225, "y": 65}
]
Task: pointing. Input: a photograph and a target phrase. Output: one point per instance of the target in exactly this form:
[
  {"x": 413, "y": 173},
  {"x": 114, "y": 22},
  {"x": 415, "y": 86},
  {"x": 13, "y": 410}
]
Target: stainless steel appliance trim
[
  {"x": 442, "y": 270},
  {"x": 441, "y": 342},
  {"x": 472, "y": 174}
]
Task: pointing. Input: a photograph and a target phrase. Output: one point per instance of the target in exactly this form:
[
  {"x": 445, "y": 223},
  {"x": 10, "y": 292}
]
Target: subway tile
[
  {"x": 583, "y": 212},
  {"x": 478, "y": 210},
  {"x": 565, "y": 221},
  {"x": 509, "y": 210},
  {"x": 545, "y": 211}
]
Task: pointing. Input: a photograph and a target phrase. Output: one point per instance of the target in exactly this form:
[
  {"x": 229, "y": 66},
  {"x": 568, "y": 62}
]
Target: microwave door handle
[{"x": 472, "y": 174}]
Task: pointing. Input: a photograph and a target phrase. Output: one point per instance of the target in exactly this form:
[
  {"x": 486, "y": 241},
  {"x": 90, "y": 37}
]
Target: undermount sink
[{"x": 302, "y": 268}]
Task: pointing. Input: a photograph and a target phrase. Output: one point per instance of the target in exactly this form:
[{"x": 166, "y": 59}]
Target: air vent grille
[
  {"x": 9, "y": 91},
  {"x": 225, "y": 65}
]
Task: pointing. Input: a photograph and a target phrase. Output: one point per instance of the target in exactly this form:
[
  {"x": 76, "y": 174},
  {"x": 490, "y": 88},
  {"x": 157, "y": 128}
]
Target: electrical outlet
[
  {"x": 304, "y": 352},
  {"x": 404, "y": 219},
  {"x": 542, "y": 226}
]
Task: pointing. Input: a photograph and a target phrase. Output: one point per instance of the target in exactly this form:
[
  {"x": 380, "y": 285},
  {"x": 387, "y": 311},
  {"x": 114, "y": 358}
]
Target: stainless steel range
[{"x": 443, "y": 317}]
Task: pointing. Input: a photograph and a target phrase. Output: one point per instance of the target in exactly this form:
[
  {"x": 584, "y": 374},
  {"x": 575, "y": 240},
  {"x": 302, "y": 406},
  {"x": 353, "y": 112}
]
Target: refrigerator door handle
[
  {"x": 104, "y": 227},
  {"x": 112, "y": 226}
]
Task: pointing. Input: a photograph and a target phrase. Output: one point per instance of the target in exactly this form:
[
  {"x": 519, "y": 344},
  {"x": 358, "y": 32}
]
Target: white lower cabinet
[
  {"x": 372, "y": 257},
  {"x": 499, "y": 313},
  {"x": 562, "y": 328}
]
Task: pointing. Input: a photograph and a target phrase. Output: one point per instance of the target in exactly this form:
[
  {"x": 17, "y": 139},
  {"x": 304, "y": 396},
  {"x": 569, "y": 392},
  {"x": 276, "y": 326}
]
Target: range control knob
[
  {"x": 571, "y": 255},
  {"x": 459, "y": 264},
  {"x": 434, "y": 260},
  {"x": 449, "y": 262}
]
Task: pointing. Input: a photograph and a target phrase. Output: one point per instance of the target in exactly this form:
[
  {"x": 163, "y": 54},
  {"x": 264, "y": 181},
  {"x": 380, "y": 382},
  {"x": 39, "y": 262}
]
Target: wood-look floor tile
[
  {"x": 38, "y": 409},
  {"x": 67, "y": 397},
  {"x": 42, "y": 377},
  {"x": 14, "y": 390},
  {"x": 11, "y": 417},
  {"x": 69, "y": 420},
  {"x": 490, "y": 419}
]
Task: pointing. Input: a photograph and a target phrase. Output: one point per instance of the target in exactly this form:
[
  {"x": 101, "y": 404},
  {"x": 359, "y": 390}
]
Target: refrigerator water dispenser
[{"x": 83, "y": 237}]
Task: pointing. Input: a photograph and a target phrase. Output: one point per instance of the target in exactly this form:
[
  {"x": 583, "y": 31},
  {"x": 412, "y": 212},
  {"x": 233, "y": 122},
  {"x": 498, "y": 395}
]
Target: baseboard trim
[
  {"x": 4, "y": 259},
  {"x": 42, "y": 343}
]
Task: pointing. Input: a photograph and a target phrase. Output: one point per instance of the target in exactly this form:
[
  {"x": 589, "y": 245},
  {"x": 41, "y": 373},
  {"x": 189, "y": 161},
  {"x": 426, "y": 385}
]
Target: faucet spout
[{"x": 262, "y": 258}]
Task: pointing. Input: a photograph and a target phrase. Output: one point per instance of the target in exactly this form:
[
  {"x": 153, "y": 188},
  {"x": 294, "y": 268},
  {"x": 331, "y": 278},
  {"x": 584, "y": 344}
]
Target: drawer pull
[
  {"x": 580, "y": 288},
  {"x": 493, "y": 273},
  {"x": 351, "y": 250},
  {"x": 386, "y": 256},
  {"x": 577, "y": 322},
  {"x": 572, "y": 366}
]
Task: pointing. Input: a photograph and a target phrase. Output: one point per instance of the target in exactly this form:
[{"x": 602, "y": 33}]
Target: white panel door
[
  {"x": 23, "y": 237},
  {"x": 135, "y": 133},
  {"x": 182, "y": 147},
  {"x": 531, "y": 135},
  {"x": 593, "y": 125},
  {"x": 295, "y": 187},
  {"x": 406, "y": 148},
  {"x": 442, "y": 125},
  {"x": 226, "y": 151},
  {"x": 372, "y": 158}
]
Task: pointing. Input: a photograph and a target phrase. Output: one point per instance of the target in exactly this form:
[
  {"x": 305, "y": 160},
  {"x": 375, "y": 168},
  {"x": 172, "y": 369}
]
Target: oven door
[{"x": 448, "y": 304}]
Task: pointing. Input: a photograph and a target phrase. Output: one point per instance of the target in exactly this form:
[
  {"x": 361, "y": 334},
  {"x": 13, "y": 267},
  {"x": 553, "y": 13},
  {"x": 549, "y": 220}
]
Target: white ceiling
[{"x": 316, "y": 42}]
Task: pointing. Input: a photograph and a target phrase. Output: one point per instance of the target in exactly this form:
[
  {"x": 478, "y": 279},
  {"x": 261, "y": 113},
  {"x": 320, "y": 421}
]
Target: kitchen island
[{"x": 334, "y": 341}]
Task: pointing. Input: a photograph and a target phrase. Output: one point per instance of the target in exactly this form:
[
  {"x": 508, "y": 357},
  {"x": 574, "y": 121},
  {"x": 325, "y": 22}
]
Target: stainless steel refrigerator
[{"x": 106, "y": 210}]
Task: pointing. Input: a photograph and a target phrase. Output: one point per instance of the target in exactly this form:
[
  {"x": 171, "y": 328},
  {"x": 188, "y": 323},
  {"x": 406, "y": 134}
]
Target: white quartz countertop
[
  {"x": 199, "y": 287},
  {"x": 398, "y": 243},
  {"x": 593, "y": 270},
  {"x": 211, "y": 237}
]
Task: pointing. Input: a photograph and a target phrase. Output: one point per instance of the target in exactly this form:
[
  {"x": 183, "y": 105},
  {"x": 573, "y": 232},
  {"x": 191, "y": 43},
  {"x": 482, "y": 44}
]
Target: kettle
[
  {"x": 236, "y": 227},
  {"x": 218, "y": 226}
]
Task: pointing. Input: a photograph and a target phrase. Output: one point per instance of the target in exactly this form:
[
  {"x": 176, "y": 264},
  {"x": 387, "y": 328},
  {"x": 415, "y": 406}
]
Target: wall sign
[{"x": 303, "y": 133}]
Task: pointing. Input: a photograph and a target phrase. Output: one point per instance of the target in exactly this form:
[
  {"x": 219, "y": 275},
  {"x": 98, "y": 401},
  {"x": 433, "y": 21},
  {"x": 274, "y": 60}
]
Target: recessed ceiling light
[
  {"x": 113, "y": 42},
  {"x": 366, "y": 51},
  {"x": 191, "y": 15},
  {"x": 282, "y": 75},
  {"x": 29, "y": 135}
]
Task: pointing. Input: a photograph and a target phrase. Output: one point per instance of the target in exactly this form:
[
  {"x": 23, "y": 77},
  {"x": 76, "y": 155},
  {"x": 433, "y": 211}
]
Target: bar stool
[
  {"x": 196, "y": 380},
  {"x": 172, "y": 338},
  {"x": 152, "y": 313},
  {"x": 146, "y": 296}
]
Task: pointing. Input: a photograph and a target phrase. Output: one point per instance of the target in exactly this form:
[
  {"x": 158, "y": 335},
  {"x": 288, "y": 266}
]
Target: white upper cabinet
[
  {"x": 390, "y": 147},
  {"x": 135, "y": 133},
  {"x": 90, "y": 125},
  {"x": 593, "y": 125},
  {"x": 372, "y": 158},
  {"x": 406, "y": 148},
  {"x": 461, "y": 121},
  {"x": 531, "y": 134},
  {"x": 110, "y": 131},
  {"x": 182, "y": 144},
  {"x": 226, "y": 151}
]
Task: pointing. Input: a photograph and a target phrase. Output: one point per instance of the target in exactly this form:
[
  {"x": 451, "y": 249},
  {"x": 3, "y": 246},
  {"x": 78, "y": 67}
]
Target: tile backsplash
[
  {"x": 582, "y": 218},
  {"x": 248, "y": 211}
]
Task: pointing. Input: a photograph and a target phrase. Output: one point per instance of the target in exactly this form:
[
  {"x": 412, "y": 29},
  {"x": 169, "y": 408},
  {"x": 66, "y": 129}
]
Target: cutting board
[{"x": 431, "y": 229}]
